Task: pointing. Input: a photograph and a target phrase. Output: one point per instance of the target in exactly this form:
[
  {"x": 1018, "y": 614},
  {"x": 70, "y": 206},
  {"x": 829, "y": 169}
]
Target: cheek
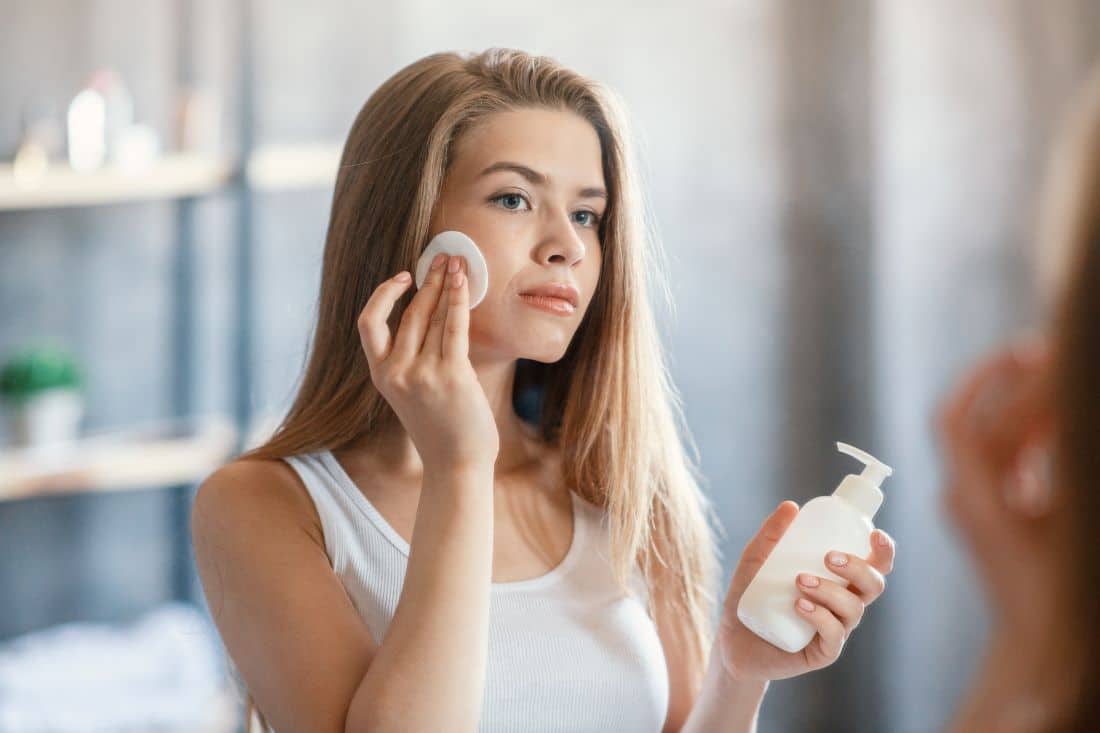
[
  {"x": 504, "y": 267},
  {"x": 589, "y": 279}
]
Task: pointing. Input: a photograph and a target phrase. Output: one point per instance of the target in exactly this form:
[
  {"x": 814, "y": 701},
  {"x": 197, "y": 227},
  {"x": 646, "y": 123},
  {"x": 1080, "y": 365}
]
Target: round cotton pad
[{"x": 456, "y": 243}]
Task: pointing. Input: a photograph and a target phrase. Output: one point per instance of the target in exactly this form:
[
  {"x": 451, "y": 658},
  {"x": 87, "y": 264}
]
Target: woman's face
[{"x": 527, "y": 186}]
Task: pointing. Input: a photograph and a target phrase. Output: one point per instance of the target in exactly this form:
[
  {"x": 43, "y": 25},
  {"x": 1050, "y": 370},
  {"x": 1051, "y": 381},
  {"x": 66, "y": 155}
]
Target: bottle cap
[{"x": 863, "y": 491}]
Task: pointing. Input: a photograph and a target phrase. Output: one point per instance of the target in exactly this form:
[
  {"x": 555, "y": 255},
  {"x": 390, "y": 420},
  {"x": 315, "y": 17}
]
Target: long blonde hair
[{"x": 609, "y": 403}]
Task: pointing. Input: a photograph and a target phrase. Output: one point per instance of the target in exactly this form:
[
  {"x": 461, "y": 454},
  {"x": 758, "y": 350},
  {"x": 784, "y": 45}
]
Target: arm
[
  {"x": 740, "y": 664},
  {"x": 716, "y": 702},
  {"x": 302, "y": 650},
  {"x": 429, "y": 672},
  {"x": 725, "y": 704}
]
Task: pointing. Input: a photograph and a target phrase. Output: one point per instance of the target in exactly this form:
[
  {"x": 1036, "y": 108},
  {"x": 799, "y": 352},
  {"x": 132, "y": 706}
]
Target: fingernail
[
  {"x": 880, "y": 539},
  {"x": 810, "y": 581},
  {"x": 452, "y": 265},
  {"x": 838, "y": 558},
  {"x": 403, "y": 277},
  {"x": 438, "y": 261},
  {"x": 805, "y": 605}
]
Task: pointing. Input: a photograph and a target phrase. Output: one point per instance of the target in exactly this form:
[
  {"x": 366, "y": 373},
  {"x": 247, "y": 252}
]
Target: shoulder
[
  {"x": 264, "y": 570},
  {"x": 254, "y": 494}
]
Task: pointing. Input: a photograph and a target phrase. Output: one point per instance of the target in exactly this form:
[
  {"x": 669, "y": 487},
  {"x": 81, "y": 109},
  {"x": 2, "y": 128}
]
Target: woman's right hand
[
  {"x": 424, "y": 372},
  {"x": 995, "y": 430}
]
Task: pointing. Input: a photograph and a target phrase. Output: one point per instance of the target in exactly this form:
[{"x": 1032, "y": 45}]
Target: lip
[
  {"x": 557, "y": 306},
  {"x": 556, "y": 290}
]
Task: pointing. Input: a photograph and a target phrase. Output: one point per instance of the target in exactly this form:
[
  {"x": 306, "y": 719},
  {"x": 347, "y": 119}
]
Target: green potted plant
[{"x": 41, "y": 389}]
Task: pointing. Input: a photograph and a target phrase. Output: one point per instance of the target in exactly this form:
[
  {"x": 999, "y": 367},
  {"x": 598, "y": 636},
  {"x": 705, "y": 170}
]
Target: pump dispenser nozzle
[{"x": 863, "y": 490}]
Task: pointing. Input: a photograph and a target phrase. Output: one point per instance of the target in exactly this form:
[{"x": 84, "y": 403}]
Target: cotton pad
[{"x": 456, "y": 243}]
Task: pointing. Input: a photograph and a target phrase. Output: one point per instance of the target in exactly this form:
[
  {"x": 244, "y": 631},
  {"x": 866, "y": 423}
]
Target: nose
[{"x": 561, "y": 243}]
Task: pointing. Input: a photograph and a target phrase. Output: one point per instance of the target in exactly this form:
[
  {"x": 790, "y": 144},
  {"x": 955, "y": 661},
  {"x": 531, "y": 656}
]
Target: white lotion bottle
[{"x": 841, "y": 521}]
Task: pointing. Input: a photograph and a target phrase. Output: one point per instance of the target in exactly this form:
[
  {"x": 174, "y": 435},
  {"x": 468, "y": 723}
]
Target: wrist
[
  {"x": 744, "y": 690},
  {"x": 468, "y": 469},
  {"x": 466, "y": 480},
  {"x": 725, "y": 703}
]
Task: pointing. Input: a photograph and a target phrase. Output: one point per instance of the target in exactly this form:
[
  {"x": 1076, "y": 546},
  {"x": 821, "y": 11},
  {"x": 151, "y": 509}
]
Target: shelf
[
  {"x": 157, "y": 454},
  {"x": 295, "y": 165},
  {"x": 172, "y": 176},
  {"x": 270, "y": 168}
]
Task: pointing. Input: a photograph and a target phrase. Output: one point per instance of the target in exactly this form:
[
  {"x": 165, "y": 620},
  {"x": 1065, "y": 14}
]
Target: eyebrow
[{"x": 537, "y": 178}]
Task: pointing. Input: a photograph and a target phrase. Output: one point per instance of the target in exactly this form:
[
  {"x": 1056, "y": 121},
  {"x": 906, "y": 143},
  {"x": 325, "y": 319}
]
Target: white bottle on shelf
[{"x": 841, "y": 521}]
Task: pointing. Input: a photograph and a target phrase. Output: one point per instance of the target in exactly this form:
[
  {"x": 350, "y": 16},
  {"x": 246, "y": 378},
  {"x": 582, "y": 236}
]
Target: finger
[
  {"x": 1023, "y": 416},
  {"x": 373, "y": 322},
  {"x": 433, "y": 340},
  {"x": 997, "y": 384},
  {"x": 864, "y": 579},
  {"x": 1029, "y": 489},
  {"x": 456, "y": 332},
  {"x": 760, "y": 546},
  {"x": 829, "y": 642},
  {"x": 883, "y": 552},
  {"x": 1007, "y": 418},
  {"x": 962, "y": 399},
  {"x": 414, "y": 322},
  {"x": 841, "y": 602}
]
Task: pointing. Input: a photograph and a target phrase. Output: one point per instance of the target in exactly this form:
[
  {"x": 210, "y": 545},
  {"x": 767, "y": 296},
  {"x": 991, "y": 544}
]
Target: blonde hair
[{"x": 608, "y": 404}]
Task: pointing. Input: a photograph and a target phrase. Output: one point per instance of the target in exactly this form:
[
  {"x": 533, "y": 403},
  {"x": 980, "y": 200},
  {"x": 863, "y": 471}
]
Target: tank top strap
[
  {"x": 350, "y": 525},
  {"x": 325, "y": 501}
]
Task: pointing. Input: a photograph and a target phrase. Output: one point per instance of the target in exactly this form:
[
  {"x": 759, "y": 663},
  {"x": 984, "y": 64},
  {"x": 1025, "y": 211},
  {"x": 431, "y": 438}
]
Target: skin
[
  {"x": 529, "y": 233},
  {"x": 448, "y": 372},
  {"x": 554, "y": 243},
  {"x": 993, "y": 425}
]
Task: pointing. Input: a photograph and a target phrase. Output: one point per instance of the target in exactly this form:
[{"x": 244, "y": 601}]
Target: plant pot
[{"x": 48, "y": 418}]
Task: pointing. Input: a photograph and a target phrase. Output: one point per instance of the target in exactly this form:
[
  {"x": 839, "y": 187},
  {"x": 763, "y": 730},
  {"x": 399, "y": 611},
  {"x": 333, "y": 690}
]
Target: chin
[
  {"x": 530, "y": 346},
  {"x": 547, "y": 349},
  {"x": 544, "y": 356}
]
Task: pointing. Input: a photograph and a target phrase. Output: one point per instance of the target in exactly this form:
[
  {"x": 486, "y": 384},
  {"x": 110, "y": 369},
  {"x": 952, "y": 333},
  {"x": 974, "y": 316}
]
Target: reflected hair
[{"x": 1070, "y": 265}]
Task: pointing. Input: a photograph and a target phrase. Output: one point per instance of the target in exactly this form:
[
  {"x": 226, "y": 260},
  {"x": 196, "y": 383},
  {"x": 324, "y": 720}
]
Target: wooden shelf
[
  {"x": 296, "y": 165},
  {"x": 172, "y": 176},
  {"x": 157, "y": 454}
]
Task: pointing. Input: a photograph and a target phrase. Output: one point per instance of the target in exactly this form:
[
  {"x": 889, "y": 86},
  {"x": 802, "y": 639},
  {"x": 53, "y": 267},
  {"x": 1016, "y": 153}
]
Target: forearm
[
  {"x": 725, "y": 705},
  {"x": 429, "y": 672}
]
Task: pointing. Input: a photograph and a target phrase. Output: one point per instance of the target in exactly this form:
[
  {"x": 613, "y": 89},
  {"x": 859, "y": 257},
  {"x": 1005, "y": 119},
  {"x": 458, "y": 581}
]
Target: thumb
[{"x": 760, "y": 546}]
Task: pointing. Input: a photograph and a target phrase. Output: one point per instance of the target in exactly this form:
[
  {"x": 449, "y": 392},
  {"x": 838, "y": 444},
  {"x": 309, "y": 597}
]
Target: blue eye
[
  {"x": 509, "y": 196},
  {"x": 592, "y": 222}
]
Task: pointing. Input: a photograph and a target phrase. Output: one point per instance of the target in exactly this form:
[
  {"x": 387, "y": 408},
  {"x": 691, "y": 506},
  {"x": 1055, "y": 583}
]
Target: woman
[
  {"x": 1021, "y": 437},
  {"x": 553, "y": 571}
]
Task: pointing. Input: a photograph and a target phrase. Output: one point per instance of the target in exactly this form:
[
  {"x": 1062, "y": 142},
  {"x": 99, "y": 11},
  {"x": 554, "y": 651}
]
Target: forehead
[{"x": 560, "y": 144}]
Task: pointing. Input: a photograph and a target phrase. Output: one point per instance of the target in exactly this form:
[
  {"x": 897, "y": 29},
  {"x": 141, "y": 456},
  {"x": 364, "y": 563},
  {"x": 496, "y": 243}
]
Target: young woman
[
  {"x": 408, "y": 552},
  {"x": 1021, "y": 438}
]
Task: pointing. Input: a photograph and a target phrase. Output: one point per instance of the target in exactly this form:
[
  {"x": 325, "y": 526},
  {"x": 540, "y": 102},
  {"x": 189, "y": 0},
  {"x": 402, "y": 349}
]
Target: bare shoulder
[
  {"x": 255, "y": 495},
  {"x": 279, "y": 607}
]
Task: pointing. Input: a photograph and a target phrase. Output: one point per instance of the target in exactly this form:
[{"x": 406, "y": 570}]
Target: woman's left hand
[{"x": 837, "y": 608}]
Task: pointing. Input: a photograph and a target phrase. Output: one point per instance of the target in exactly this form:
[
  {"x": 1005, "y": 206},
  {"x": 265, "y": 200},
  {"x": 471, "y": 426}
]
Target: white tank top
[{"x": 567, "y": 650}]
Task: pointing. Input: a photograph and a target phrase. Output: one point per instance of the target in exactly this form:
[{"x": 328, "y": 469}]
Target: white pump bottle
[{"x": 842, "y": 522}]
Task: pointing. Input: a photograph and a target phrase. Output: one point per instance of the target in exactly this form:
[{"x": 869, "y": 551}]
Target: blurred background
[{"x": 846, "y": 191}]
